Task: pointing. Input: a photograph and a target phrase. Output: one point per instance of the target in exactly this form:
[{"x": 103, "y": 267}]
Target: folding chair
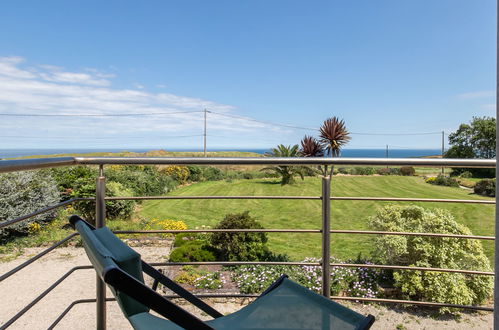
[{"x": 284, "y": 305}]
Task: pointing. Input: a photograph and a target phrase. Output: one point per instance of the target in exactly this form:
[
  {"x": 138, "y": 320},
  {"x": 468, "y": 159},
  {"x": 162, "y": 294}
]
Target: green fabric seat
[{"x": 285, "y": 305}]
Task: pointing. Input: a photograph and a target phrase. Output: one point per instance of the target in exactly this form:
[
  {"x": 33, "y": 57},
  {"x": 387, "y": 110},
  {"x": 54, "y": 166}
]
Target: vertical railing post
[
  {"x": 100, "y": 221},
  {"x": 326, "y": 236}
]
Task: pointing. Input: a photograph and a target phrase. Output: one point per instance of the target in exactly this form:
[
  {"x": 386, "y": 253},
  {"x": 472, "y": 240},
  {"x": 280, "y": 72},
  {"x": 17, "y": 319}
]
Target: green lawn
[{"x": 307, "y": 214}]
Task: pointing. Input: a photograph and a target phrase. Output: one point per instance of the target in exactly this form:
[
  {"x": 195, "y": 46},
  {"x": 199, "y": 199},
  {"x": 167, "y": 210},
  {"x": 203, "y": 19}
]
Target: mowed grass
[{"x": 306, "y": 214}]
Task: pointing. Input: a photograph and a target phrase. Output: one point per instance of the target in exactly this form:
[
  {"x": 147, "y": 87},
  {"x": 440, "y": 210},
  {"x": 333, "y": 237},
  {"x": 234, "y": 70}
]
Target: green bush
[
  {"x": 114, "y": 209},
  {"x": 388, "y": 171},
  {"x": 195, "y": 173},
  {"x": 22, "y": 193},
  {"x": 466, "y": 175},
  {"x": 193, "y": 251},
  {"x": 363, "y": 171},
  {"x": 212, "y": 174},
  {"x": 73, "y": 178},
  {"x": 436, "y": 252},
  {"x": 240, "y": 246},
  {"x": 442, "y": 180},
  {"x": 407, "y": 171},
  {"x": 486, "y": 187},
  {"x": 141, "y": 180}
]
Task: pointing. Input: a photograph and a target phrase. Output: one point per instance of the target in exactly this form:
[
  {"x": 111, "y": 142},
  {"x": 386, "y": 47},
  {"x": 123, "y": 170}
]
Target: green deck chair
[{"x": 284, "y": 305}]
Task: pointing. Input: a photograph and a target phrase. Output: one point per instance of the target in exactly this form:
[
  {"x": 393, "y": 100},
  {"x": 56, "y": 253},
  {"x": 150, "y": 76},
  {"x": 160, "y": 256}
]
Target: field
[{"x": 306, "y": 214}]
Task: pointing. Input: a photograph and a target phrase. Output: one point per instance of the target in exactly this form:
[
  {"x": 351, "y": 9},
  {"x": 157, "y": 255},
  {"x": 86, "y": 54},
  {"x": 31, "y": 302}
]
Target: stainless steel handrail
[{"x": 17, "y": 165}]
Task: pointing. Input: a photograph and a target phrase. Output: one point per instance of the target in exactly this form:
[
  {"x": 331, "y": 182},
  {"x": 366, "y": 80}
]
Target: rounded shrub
[
  {"x": 407, "y": 171},
  {"x": 438, "y": 252},
  {"x": 193, "y": 251},
  {"x": 486, "y": 187},
  {"x": 442, "y": 180},
  {"x": 240, "y": 246}
]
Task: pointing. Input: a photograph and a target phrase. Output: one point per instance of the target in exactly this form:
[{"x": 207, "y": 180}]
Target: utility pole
[
  {"x": 205, "y": 132},
  {"x": 443, "y": 148},
  {"x": 386, "y": 154}
]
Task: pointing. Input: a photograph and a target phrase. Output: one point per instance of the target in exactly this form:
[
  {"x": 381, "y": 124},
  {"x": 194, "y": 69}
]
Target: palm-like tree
[
  {"x": 310, "y": 147},
  {"x": 333, "y": 135},
  {"x": 287, "y": 173}
]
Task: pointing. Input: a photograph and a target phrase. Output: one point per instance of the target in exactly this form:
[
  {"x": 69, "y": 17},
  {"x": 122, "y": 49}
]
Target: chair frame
[{"x": 123, "y": 282}]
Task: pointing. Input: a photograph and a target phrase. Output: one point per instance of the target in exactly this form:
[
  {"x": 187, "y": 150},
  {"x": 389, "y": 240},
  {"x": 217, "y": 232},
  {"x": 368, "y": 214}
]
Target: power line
[
  {"x": 98, "y": 138},
  {"x": 95, "y": 115}
]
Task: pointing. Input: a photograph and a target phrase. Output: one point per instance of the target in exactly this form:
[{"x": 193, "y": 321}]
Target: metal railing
[{"x": 325, "y": 231}]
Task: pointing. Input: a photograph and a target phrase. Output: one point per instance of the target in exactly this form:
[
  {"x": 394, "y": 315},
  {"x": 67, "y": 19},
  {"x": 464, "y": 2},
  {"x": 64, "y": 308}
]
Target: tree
[
  {"x": 474, "y": 140},
  {"x": 287, "y": 173},
  {"x": 333, "y": 135}
]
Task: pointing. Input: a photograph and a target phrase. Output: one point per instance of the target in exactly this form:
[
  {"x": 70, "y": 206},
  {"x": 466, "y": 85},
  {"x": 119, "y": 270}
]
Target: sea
[{"x": 367, "y": 153}]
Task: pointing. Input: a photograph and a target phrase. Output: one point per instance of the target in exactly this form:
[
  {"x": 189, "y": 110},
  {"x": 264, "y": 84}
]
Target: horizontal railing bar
[
  {"x": 217, "y": 231},
  {"x": 335, "y": 231},
  {"x": 213, "y": 197},
  {"x": 402, "y": 233},
  {"x": 446, "y": 162},
  {"x": 426, "y": 269},
  {"x": 427, "y": 200},
  {"x": 236, "y": 263},
  {"x": 40, "y": 296},
  {"x": 412, "y": 302},
  {"x": 35, "y": 163},
  {"x": 27, "y": 216},
  {"x": 387, "y": 199},
  {"x": 74, "y": 303},
  {"x": 38, "y": 256}
]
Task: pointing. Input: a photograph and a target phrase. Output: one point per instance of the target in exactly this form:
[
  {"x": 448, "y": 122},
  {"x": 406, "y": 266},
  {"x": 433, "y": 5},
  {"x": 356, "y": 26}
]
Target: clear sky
[{"x": 384, "y": 66}]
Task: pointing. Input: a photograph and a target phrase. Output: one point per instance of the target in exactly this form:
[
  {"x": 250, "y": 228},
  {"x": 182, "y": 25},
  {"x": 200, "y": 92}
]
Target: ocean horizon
[{"x": 367, "y": 153}]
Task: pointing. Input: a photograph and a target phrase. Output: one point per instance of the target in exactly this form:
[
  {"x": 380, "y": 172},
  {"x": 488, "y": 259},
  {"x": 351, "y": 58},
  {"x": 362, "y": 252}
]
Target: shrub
[
  {"x": 195, "y": 173},
  {"x": 363, "y": 171},
  {"x": 343, "y": 170},
  {"x": 212, "y": 174},
  {"x": 72, "y": 178},
  {"x": 114, "y": 209},
  {"x": 437, "y": 252},
  {"x": 239, "y": 246},
  {"x": 466, "y": 175},
  {"x": 442, "y": 180},
  {"x": 486, "y": 187},
  {"x": 193, "y": 251},
  {"x": 22, "y": 193},
  {"x": 388, "y": 171},
  {"x": 166, "y": 224},
  {"x": 407, "y": 171},
  {"x": 142, "y": 180},
  {"x": 179, "y": 173}
]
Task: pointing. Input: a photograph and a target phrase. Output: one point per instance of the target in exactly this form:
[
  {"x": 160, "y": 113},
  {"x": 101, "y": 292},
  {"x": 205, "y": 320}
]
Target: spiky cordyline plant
[
  {"x": 287, "y": 173},
  {"x": 333, "y": 136},
  {"x": 310, "y": 147}
]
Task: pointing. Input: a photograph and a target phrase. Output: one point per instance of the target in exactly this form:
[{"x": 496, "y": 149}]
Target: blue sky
[{"x": 384, "y": 66}]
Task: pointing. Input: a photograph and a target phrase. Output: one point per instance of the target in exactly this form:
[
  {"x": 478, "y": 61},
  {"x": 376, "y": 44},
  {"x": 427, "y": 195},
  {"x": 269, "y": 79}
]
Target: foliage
[
  {"x": 114, "y": 209},
  {"x": 211, "y": 173},
  {"x": 486, "y": 187},
  {"x": 407, "y": 171},
  {"x": 363, "y": 170},
  {"x": 287, "y": 173},
  {"x": 466, "y": 175},
  {"x": 194, "y": 250},
  {"x": 22, "y": 193},
  {"x": 165, "y": 224},
  {"x": 361, "y": 282},
  {"x": 200, "y": 279},
  {"x": 239, "y": 246},
  {"x": 310, "y": 147},
  {"x": 474, "y": 140},
  {"x": 179, "y": 173},
  {"x": 333, "y": 135},
  {"x": 442, "y": 180},
  {"x": 195, "y": 173},
  {"x": 142, "y": 180},
  {"x": 388, "y": 171},
  {"x": 436, "y": 252},
  {"x": 72, "y": 178}
]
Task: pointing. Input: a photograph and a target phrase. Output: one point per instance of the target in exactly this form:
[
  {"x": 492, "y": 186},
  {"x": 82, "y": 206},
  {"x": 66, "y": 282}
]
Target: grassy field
[{"x": 307, "y": 214}]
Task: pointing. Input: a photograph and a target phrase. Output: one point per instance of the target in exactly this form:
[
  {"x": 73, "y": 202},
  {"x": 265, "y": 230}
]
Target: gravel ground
[{"x": 24, "y": 286}]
